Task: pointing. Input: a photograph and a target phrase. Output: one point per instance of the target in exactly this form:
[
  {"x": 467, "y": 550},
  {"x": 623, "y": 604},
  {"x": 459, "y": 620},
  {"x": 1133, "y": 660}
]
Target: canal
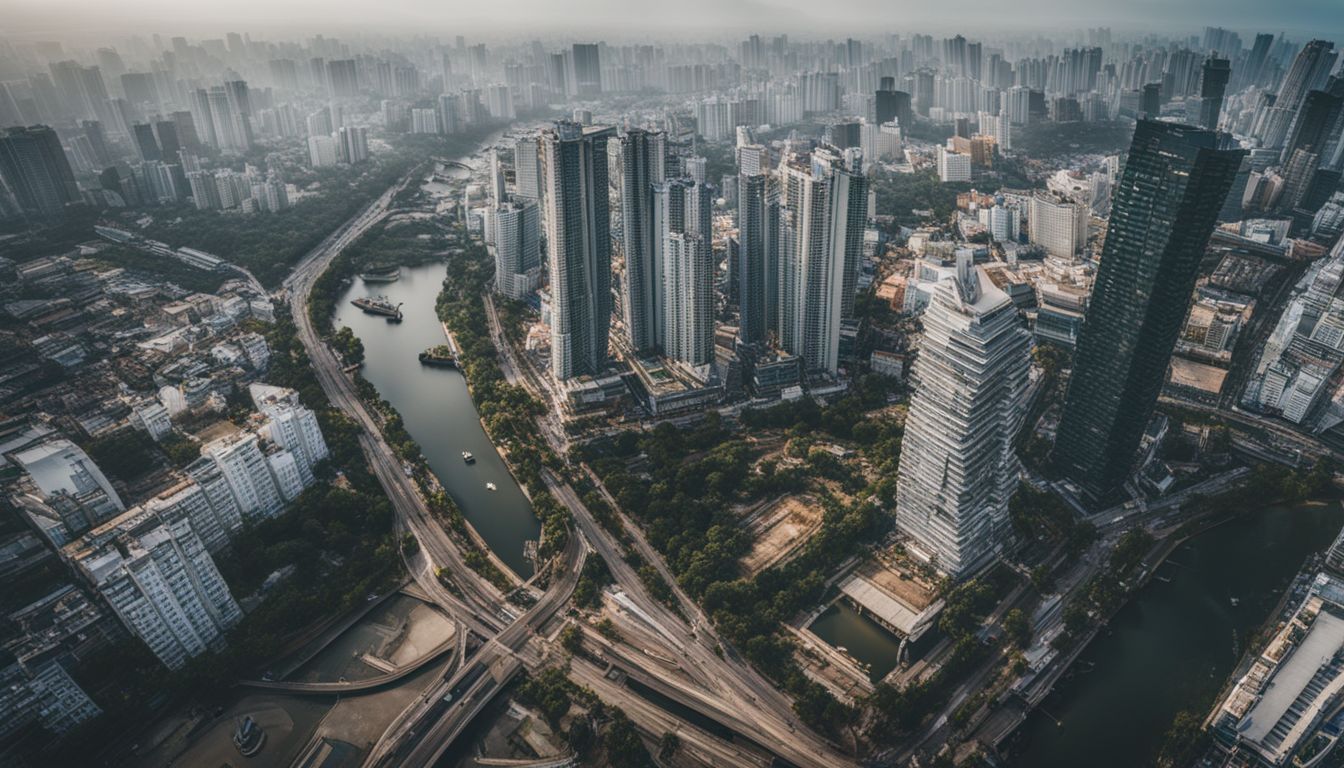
[
  {"x": 1174, "y": 645},
  {"x": 438, "y": 411}
]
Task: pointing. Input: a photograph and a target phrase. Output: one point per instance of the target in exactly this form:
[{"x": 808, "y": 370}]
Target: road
[
  {"x": 424, "y": 734},
  {"x": 481, "y": 606},
  {"x": 741, "y": 698},
  {"x": 744, "y": 700}
]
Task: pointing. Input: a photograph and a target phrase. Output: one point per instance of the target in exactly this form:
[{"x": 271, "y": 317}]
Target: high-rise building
[
  {"x": 527, "y": 169},
  {"x": 294, "y": 428},
  {"x": 893, "y": 105},
  {"x": 578, "y": 239},
  {"x": 517, "y": 247},
  {"x": 352, "y": 144},
  {"x": 758, "y": 257},
  {"x": 244, "y": 468},
  {"x": 41, "y": 691},
  {"x": 1212, "y": 85},
  {"x": 688, "y": 306},
  {"x": 1057, "y": 225},
  {"x": 958, "y": 467},
  {"x": 953, "y": 166},
  {"x": 1164, "y": 210},
  {"x": 342, "y": 78},
  {"x": 163, "y": 585},
  {"x": 587, "y": 70},
  {"x": 214, "y": 524},
  {"x": 1311, "y": 128},
  {"x": 145, "y": 142},
  {"x": 823, "y": 206},
  {"x": 1308, "y": 73},
  {"x": 641, "y": 168},
  {"x": 35, "y": 169}
]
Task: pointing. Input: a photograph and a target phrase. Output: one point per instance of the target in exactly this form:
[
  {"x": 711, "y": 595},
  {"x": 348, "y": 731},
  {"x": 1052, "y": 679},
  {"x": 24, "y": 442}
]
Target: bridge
[
  {"x": 562, "y": 761},
  {"x": 359, "y": 686},
  {"x": 452, "y": 163}
]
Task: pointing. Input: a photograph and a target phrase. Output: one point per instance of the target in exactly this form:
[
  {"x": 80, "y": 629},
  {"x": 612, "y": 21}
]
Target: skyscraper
[
  {"x": 758, "y": 257},
  {"x": 1212, "y": 85},
  {"x": 145, "y": 143},
  {"x": 342, "y": 78},
  {"x": 35, "y": 169},
  {"x": 641, "y": 169},
  {"x": 680, "y": 207},
  {"x": 587, "y": 69},
  {"x": 957, "y": 468},
  {"x": 517, "y": 246},
  {"x": 823, "y": 205},
  {"x": 1165, "y": 206},
  {"x": 243, "y": 466},
  {"x": 527, "y": 170},
  {"x": 1308, "y": 72},
  {"x": 688, "y": 283},
  {"x": 579, "y": 242}
]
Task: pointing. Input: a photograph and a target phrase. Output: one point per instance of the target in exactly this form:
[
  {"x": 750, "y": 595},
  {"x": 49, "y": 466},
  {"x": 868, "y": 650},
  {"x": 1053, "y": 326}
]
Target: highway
[
  {"x": 753, "y": 706},
  {"x": 726, "y": 687},
  {"x": 424, "y": 733},
  {"x": 481, "y": 607}
]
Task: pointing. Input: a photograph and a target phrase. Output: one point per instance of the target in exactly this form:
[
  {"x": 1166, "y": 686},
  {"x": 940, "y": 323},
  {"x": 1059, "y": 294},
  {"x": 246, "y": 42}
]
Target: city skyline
[
  {"x": 718, "y": 384},
  {"x": 1301, "y": 18}
]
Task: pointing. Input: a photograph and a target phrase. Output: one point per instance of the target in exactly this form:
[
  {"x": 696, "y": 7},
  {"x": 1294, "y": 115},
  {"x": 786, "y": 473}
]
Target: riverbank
[
  {"x": 437, "y": 419},
  {"x": 1171, "y": 645}
]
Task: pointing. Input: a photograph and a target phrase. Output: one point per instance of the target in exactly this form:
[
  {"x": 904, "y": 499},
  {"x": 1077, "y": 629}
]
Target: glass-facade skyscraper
[
  {"x": 1166, "y": 203},
  {"x": 578, "y": 238}
]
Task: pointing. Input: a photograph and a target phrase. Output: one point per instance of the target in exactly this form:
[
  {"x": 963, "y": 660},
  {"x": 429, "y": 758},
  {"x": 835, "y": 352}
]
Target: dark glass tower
[
  {"x": 1212, "y": 85},
  {"x": 641, "y": 168},
  {"x": 34, "y": 168},
  {"x": 1173, "y": 185}
]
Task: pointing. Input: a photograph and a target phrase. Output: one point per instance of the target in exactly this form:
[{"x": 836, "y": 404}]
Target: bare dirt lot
[{"x": 779, "y": 530}]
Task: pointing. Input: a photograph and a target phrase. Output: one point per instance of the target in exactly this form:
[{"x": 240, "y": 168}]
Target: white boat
[
  {"x": 492, "y": 486},
  {"x": 467, "y": 457}
]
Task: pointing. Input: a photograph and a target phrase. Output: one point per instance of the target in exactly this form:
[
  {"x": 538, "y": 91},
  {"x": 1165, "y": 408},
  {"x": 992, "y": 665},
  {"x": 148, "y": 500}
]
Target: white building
[
  {"x": 244, "y": 468},
  {"x": 214, "y": 522},
  {"x": 957, "y": 469},
  {"x": 953, "y": 166},
  {"x": 256, "y": 350},
  {"x": 688, "y": 279},
  {"x": 822, "y": 215},
  {"x": 163, "y": 585},
  {"x": 1059, "y": 226},
  {"x": 517, "y": 248},
  {"x": 321, "y": 154},
  {"x": 66, "y": 480},
  {"x": 527, "y": 169},
  {"x": 293, "y": 428},
  {"x": 425, "y": 121}
]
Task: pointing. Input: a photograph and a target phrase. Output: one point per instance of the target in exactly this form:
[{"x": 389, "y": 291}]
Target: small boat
[
  {"x": 381, "y": 274},
  {"x": 467, "y": 457},
  {"x": 379, "y": 306},
  {"x": 440, "y": 356},
  {"x": 491, "y": 486}
]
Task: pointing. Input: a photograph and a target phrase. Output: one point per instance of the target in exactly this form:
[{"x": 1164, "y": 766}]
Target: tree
[
  {"x": 1184, "y": 741},
  {"x": 1017, "y": 627},
  {"x": 571, "y": 638},
  {"x": 668, "y": 746}
]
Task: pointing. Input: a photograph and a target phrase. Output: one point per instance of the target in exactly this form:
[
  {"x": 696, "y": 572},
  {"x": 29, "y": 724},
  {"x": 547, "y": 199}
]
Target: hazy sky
[{"x": 57, "y": 18}]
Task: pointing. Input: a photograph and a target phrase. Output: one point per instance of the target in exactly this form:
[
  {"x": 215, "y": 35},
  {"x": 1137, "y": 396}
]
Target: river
[
  {"x": 1173, "y": 646},
  {"x": 438, "y": 411}
]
